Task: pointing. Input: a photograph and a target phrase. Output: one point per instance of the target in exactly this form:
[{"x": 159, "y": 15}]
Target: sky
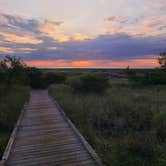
[{"x": 83, "y": 33}]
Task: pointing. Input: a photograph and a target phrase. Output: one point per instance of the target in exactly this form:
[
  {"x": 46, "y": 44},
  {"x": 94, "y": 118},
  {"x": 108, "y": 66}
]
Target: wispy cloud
[
  {"x": 151, "y": 26},
  {"x": 115, "y": 20},
  {"x": 46, "y": 43},
  {"x": 22, "y": 39},
  {"x": 6, "y": 50}
]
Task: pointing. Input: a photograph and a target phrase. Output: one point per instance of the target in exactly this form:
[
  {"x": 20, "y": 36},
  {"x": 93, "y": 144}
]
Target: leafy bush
[
  {"x": 160, "y": 125},
  {"x": 35, "y": 76},
  {"x": 155, "y": 77},
  {"x": 121, "y": 124},
  {"x": 13, "y": 70},
  {"x": 11, "y": 102},
  {"x": 52, "y": 77},
  {"x": 89, "y": 83},
  {"x": 41, "y": 80}
]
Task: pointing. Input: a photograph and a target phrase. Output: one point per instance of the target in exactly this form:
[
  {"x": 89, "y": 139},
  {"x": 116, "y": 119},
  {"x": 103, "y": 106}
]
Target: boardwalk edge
[
  {"x": 77, "y": 132},
  {"x": 12, "y": 138}
]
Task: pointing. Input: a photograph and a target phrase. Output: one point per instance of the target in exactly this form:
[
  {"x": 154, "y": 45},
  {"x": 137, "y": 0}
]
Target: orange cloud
[
  {"x": 49, "y": 26},
  {"x": 137, "y": 63},
  {"x": 6, "y": 50},
  {"x": 112, "y": 32},
  {"x": 62, "y": 38},
  {"x": 75, "y": 37},
  {"x": 112, "y": 20},
  {"x": 151, "y": 26},
  {"x": 51, "y": 48},
  {"x": 25, "y": 50},
  {"x": 52, "y": 30},
  {"x": 80, "y": 37},
  {"x": 10, "y": 37},
  {"x": 159, "y": 6}
]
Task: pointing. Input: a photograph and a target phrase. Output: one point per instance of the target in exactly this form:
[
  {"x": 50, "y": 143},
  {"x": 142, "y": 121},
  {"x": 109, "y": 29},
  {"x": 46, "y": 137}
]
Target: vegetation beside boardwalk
[
  {"x": 14, "y": 91},
  {"x": 126, "y": 124},
  {"x": 11, "y": 102},
  {"x": 122, "y": 113}
]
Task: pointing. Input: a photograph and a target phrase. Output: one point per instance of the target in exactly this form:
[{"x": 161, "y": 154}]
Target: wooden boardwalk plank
[{"x": 46, "y": 137}]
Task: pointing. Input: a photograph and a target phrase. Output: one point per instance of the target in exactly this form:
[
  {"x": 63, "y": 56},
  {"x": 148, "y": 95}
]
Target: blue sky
[{"x": 83, "y": 33}]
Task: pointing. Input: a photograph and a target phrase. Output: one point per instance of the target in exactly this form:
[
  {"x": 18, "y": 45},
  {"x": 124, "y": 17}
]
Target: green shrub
[
  {"x": 11, "y": 103},
  {"x": 160, "y": 125},
  {"x": 35, "y": 76},
  {"x": 4, "y": 136},
  {"x": 121, "y": 124},
  {"x": 160, "y": 159},
  {"x": 12, "y": 100},
  {"x": 89, "y": 83},
  {"x": 155, "y": 77},
  {"x": 41, "y": 80},
  {"x": 13, "y": 71},
  {"x": 52, "y": 77}
]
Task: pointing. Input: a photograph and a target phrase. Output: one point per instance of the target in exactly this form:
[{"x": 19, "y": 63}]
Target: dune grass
[
  {"x": 126, "y": 125},
  {"x": 12, "y": 100}
]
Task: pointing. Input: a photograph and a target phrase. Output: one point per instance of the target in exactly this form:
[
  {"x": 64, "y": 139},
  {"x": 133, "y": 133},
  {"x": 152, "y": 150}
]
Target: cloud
[
  {"x": 53, "y": 30},
  {"x": 49, "y": 28},
  {"x": 9, "y": 37},
  {"x": 115, "y": 20},
  {"x": 15, "y": 29},
  {"x": 158, "y": 6},
  {"x": 15, "y": 23},
  {"x": 6, "y": 50},
  {"x": 45, "y": 43},
  {"x": 151, "y": 26},
  {"x": 105, "y": 47},
  {"x": 22, "y": 30},
  {"x": 75, "y": 37},
  {"x": 51, "y": 48}
]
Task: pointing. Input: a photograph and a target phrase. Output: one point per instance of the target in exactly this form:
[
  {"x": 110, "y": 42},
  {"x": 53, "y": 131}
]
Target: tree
[
  {"x": 14, "y": 70},
  {"x": 162, "y": 60}
]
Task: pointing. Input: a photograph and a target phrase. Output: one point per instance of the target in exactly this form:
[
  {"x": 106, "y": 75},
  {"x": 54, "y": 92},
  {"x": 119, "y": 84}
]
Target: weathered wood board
[{"x": 45, "y": 136}]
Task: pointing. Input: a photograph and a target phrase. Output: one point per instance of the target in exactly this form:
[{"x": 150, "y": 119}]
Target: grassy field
[
  {"x": 126, "y": 124},
  {"x": 12, "y": 100}
]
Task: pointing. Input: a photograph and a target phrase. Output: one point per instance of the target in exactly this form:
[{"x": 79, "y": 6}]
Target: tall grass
[
  {"x": 12, "y": 100},
  {"x": 124, "y": 124}
]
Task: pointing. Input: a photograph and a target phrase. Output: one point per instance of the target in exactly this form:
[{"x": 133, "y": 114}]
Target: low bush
[
  {"x": 13, "y": 71},
  {"x": 124, "y": 125},
  {"x": 51, "y": 77},
  {"x": 35, "y": 77},
  {"x": 155, "y": 77},
  {"x": 89, "y": 83},
  {"x": 12, "y": 100},
  {"x": 41, "y": 80},
  {"x": 160, "y": 125}
]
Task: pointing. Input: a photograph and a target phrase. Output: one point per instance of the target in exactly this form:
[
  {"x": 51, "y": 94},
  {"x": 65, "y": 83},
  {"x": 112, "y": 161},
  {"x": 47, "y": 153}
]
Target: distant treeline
[{"x": 14, "y": 71}]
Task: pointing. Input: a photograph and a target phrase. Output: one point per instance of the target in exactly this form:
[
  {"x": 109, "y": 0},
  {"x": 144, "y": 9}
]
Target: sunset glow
[
  {"x": 139, "y": 63},
  {"x": 83, "y": 33}
]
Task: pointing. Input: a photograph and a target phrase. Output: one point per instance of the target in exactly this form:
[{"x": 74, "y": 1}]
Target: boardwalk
[{"x": 46, "y": 138}]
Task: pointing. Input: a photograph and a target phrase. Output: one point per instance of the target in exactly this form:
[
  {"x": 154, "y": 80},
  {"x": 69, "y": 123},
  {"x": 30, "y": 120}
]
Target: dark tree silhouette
[
  {"x": 162, "y": 60},
  {"x": 13, "y": 70},
  {"x": 12, "y": 62}
]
